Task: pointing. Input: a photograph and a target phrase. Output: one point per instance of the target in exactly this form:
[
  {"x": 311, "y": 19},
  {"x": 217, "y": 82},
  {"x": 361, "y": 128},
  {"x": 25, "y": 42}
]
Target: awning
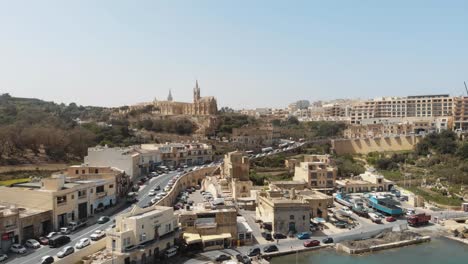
[
  {"x": 215, "y": 237},
  {"x": 191, "y": 238}
]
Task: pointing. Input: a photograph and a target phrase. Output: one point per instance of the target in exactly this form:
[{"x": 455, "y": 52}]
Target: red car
[
  {"x": 43, "y": 240},
  {"x": 311, "y": 243},
  {"x": 390, "y": 219}
]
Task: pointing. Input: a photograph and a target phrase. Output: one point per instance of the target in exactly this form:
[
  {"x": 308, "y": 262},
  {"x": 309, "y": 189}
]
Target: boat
[{"x": 384, "y": 205}]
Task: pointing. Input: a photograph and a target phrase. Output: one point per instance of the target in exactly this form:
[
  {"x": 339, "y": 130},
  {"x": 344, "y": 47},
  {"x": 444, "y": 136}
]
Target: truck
[
  {"x": 418, "y": 219},
  {"x": 73, "y": 226}
]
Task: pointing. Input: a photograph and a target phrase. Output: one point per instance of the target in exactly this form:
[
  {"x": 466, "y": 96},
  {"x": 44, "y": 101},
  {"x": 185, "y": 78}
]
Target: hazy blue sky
[{"x": 246, "y": 53}]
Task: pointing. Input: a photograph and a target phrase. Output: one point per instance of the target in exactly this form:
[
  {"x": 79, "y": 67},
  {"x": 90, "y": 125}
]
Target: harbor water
[{"x": 439, "y": 250}]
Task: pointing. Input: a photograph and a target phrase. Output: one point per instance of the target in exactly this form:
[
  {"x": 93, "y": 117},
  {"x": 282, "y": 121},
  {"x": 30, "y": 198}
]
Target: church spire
[
  {"x": 169, "y": 97},
  {"x": 196, "y": 92}
]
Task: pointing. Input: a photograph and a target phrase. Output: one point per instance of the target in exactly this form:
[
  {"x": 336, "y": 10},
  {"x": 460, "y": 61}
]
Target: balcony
[{"x": 101, "y": 194}]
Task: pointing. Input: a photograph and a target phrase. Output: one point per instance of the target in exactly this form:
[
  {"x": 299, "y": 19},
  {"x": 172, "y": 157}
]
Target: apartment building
[
  {"x": 209, "y": 229},
  {"x": 69, "y": 199},
  {"x": 460, "y": 113},
  {"x": 403, "y": 107},
  {"x": 126, "y": 159},
  {"x": 176, "y": 154},
  {"x": 291, "y": 212},
  {"x": 317, "y": 172},
  {"x": 235, "y": 170},
  {"x": 255, "y": 137}
]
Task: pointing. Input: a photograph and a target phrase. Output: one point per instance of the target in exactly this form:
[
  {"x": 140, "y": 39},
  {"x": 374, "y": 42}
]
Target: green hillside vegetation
[{"x": 30, "y": 128}]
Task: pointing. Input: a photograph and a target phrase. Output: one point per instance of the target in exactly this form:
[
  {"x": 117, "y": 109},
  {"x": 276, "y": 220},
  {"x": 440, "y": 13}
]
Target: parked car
[
  {"x": 51, "y": 234},
  {"x": 327, "y": 240},
  {"x": 157, "y": 188},
  {"x": 243, "y": 259},
  {"x": 65, "y": 230},
  {"x": 76, "y": 225},
  {"x": 303, "y": 235},
  {"x": 98, "y": 234},
  {"x": 254, "y": 252},
  {"x": 58, "y": 241},
  {"x": 311, "y": 243},
  {"x": 84, "y": 242},
  {"x": 65, "y": 252},
  {"x": 47, "y": 260},
  {"x": 43, "y": 240},
  {"x": 267, "y": 235},
  {"x": 270, "y": 248},
  {"x": 103, "y": 219},
  {"x": 222, "y": 257},
  {"x": 152, "y": 193},
  {"x": 32, "y": 243},
  {"x": 18, "y": 249},
  {"x": 3, "y": 257},
  {"x": 346, "y": 211},
  {"x": 390, "y": 219},
  {"x": 279, "y": 236}
]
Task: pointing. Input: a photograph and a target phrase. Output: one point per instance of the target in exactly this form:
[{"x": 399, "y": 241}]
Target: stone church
[{"x": 201, "y": 105}]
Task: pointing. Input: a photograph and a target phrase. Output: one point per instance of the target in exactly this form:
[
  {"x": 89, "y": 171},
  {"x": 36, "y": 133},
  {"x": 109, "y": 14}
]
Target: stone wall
[
  {"x": 367, "y": 145},
  {"x": 82, "y": 253},
  {"x": 190, "y": 179}
]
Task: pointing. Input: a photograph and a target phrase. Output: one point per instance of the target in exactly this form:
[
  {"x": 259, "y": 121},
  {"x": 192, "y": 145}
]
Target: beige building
[
  {"x": 69, "y": 198},
  {"x": 18, "y": 224},
  {"x": 366, "y": 182},
  {"x": 460, "y": 113},
  {"x": 290, "y": 212},
  {"x": 236, "y": 173},
  {"x": 378, "y": 130},
  {"x": 402, "y": 107},
  {"x": 140, "y": 236},
  {"x": 209, "y": 229},
  {"x": 317, "y": 172},
  {"x": 175, "y": 154},
  {"x": 255, "y": 137}
]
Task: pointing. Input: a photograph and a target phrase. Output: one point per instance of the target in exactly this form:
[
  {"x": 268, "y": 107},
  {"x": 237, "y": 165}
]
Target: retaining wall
[
  {"x": 367, "y": 145},
  {"x": 79, "y": 255}
]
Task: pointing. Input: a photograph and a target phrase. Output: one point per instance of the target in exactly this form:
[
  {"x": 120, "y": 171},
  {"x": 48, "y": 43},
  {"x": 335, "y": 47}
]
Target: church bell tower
[{"x": 196, "y": 92}]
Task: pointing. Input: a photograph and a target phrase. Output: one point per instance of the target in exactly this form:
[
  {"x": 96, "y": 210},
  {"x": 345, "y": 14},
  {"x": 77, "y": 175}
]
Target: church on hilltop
[{"x": 201, "y": 105}]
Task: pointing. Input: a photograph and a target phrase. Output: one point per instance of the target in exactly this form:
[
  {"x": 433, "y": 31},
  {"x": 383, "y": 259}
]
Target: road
[{"x": 34, "y": 256}]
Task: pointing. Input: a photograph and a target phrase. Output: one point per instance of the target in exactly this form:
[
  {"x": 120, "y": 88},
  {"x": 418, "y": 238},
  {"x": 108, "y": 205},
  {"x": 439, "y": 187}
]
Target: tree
[{"x": 462, "y": 151}]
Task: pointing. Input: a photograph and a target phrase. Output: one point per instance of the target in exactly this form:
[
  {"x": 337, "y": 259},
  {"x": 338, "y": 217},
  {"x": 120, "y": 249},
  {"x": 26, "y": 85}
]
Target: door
[
  {"x": 83, "y": 211},
  {"x": 28, "y": 232}
]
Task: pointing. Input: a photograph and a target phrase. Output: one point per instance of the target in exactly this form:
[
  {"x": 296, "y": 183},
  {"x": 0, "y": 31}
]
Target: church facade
[{"x": 200, "y": 106}]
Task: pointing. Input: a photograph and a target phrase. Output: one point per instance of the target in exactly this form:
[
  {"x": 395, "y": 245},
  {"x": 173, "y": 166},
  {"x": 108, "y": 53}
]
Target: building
[
  {"x": 176, "y": 154},
  {"x": 366, "y": 182},
  {"x": 255, "y": 136},
  {"x": 289, "y": 212},
  {"x": 378, "y": 130},
  {"x": 298, "y": 105},
  {"x": 18, "y": 224},
  {"x": 402, "y": 107},
  {"x": 201, "y": 106},
  {"x": 209, "y": 229},
  {"x": 317, "y": 172},
  {"x": 235, "y": 171},
  {"x": 141, "y": 235},
  {"x": 460, "y": 113},
  {"x": 134, "y": 161},
  {"x": 68, "y": 198},
  {"x": 335, "y": 110}
]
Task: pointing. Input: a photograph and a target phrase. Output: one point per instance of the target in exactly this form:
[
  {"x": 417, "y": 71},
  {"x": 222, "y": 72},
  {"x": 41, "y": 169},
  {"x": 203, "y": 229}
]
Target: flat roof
[{"x": 208, "y": 238}]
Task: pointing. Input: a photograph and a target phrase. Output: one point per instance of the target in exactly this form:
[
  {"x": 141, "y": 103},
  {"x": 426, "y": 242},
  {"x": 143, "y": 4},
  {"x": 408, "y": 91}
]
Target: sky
[{"x": 245, "y": 53}]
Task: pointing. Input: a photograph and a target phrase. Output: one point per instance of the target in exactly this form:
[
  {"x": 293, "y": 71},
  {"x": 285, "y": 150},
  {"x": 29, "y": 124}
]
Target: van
[
  {"x": 170, "y": 252},
  {"x": 58, "y": 241}
]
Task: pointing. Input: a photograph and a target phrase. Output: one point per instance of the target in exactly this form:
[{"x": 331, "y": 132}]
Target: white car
[
  {"x": 65, "y": 252},
  {"x": 31, "y": 243},
  {"x": 18, "y": 249},
  {"x": 155, "y": 199},
  {"x": 52, "y": 234},
  {"x": 152, "y": 193},
  {"x": 3, "y": 257},
  {"x": 84, "y": 242},
  {"x": 346, "y": 211},
  {"x": 167, "y": 188},
  {"x": 98, "y": 234}
]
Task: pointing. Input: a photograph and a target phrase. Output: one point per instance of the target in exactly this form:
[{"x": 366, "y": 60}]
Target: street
[{"x": 34, "y": 256}]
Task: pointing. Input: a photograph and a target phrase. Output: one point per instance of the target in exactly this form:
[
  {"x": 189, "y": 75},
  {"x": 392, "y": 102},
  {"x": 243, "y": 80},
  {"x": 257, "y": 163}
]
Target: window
[
  {"x": 248, "y": 236},
  {"x": 96, "y": 171},
  {"x": 291, "y": 217},
  {"x": 241, "y": 236},
  {"x": 77, "y": 172},
  {"x": 303, "y": 217},
  {"x": 142, "y": 226},
  {"x": 82, "y": 171},
  {"x": 111, "y": 186},
  {"x": 100, "y": 189},
  {"x": 142, "y": 237},
  {"x": 61, "y": 199},
  {"x": 73, "y": 196}
]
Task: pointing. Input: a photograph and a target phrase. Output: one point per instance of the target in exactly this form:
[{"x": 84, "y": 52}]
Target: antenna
[{"x": 466, "y": 88}]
